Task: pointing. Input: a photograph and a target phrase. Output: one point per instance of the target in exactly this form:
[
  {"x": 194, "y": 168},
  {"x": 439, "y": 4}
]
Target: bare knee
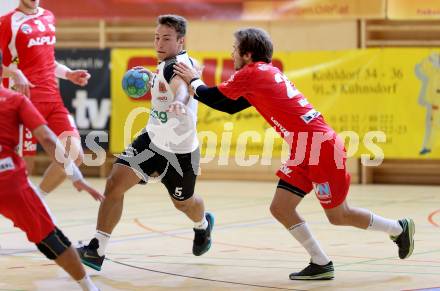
[
  {"x": 184, "y": 207},
  {"x": 277, "y": 211},
  {"x": 113, "y": 189},
  {"x": 341, "y": 218}
]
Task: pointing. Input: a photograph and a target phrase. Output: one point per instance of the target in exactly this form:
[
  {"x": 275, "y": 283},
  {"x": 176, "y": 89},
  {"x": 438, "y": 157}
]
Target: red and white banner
[{"x": 218, "y": 9}]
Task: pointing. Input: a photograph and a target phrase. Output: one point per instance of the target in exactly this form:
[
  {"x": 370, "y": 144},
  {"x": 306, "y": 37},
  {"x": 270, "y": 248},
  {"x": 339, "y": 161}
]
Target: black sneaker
[
  {"x": 315, "y": 272},
  {"x": 89, "y": 255},
  {"x": 202, "y": 237},
  {"x": 405, "y": 240}
]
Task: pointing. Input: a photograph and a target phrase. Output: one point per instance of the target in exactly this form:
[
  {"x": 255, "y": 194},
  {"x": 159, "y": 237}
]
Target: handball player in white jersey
[{"x": 167, "y": 149}]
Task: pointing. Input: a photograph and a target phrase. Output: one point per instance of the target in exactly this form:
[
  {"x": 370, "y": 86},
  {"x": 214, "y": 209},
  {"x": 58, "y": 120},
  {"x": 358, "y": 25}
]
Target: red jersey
[
  {"x": 15, "y": 109},
  {"x": 28, "y": 41},
  {"x": 275, "y": 98}
]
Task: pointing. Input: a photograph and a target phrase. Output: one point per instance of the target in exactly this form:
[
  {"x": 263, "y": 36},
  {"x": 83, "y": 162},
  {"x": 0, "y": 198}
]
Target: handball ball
[{"x": 136, "y": 83}]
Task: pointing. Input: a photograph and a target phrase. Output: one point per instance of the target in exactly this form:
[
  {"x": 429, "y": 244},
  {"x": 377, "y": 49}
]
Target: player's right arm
[
  {"x": 33, "y": 120},
  {"x": 210, "y": 96},
  {"x": 21, "y": 83}
]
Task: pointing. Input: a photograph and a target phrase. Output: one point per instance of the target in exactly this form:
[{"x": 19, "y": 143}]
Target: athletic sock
[
  {"x": 379, "y": 223},
  {"x": 103, "y": 239},
  {"x": 41, "y": 192},
  {"x": 87, "y": 284},
  {"x": 202, "y": 224},
  {"x": 302, "y": 234}
]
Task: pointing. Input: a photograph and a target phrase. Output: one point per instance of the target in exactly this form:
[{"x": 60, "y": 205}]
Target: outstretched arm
[
  {"x": 77, "y": 77},
  {"x": 210, "y": 96}
]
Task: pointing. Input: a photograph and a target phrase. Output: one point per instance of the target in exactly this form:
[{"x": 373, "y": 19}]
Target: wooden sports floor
[{"x": 151, "y": 247}]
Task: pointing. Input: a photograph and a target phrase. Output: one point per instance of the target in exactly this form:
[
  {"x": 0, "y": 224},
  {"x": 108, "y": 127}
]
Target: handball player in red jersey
[
  {"x": 317, "y": 160},
  {"x": 20, "y": 201},
  {"x": 27, "y": 39}
]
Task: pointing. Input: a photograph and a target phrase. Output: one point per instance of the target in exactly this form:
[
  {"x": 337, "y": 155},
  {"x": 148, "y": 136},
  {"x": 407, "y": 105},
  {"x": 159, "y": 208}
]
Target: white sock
[
  {"x": 103, "y": 239},
  {"x": 87, "y": 284},
  {"x": 302, "y": 234},
  {"x": 202, "y": 224},
  {"x": 41, "y": 192},
  {"x": 379, "y": 223}
]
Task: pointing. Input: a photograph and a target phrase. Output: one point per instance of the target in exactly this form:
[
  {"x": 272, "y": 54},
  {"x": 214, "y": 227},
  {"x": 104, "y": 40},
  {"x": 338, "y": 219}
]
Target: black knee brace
[{"x": 54, "y": 244}]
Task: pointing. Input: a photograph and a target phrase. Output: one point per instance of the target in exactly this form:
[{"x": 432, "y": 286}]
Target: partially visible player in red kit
[
  {"x": 19, "y": 200},
  {"x": 27, "y": 39},
  {"x": 317, "y": 160}
]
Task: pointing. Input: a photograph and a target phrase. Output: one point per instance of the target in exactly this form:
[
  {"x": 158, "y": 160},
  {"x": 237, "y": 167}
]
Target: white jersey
[{"x": 168, "y": 131}]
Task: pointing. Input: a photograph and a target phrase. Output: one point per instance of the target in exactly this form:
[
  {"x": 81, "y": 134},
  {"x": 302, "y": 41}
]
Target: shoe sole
[
  {"x": 411, "y": 230},
  {"x": 90, "y": 265},
  {"x": 211, "y": 227},
  {"x": 323, "y": 276}
]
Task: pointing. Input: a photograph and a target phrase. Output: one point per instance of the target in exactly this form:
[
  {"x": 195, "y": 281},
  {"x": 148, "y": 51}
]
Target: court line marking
[
  {"x": 201, "y": 278},
  {"x": 431, "y": 217},
  {"x": 424, "y": 289},
  {"x": 290, "y": 251}
]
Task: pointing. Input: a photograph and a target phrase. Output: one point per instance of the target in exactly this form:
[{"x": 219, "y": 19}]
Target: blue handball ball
[{"x": 135, "y": 83}]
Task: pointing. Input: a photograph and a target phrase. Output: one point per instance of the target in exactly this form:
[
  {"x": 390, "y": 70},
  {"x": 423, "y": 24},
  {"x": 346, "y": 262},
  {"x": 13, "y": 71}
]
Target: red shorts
[
  {"x": 325, "y": 173},
  {"x": 59, "y": 121},
  {"x": 21, "y": 204}
]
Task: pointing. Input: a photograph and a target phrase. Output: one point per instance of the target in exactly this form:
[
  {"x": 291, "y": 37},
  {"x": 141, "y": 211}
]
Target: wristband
[
  {"x": 195, "y": 83},
  {"x": 72, "y": 171},
  {"x": 61, "y": 71}
]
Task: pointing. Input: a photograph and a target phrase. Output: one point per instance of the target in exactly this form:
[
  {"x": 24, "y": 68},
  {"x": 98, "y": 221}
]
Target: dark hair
[
  {"x": 255, "y": 41},
  {"x": 174, "y": 21}
]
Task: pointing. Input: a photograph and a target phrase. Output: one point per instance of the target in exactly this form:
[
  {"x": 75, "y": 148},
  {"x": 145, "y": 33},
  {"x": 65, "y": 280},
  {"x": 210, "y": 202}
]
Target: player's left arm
[
  {"x": 210, "y": 96},
  {"x": 77, "y": 77}
]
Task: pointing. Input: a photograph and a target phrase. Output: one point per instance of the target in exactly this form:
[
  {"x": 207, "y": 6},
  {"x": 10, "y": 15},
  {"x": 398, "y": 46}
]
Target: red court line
[
  {"x": 187, "y": 238},
  {"x": 430, "y": 218},
  {"x": 147, "y": 228},
  {"x": 424, "y": 289}
]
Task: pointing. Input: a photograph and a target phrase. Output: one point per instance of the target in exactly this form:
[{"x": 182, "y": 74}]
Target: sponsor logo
[
  {"x": 130, "y": 152},
  {"x": 44, "y": 40},
  {"x": 161, "y": 115},
  {"x": 27, "y": 133},
  {"x": 90, "y": 112},
  {"x": 310, "y": 115},
  {"x": 281, "y": 128},
  {"x": 6, "y": 165},
  {"x": 322, "y": 191},
  {"x": 162, "y": 98},
  {"x": 26, "y": 29},
  {"x": 286, "y": 170},
  {"x": 28, "y": 146},
  {"x": 162, "y": 87}
]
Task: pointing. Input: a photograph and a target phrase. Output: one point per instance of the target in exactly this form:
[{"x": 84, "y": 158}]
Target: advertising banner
[
  {"x": 390, "y": 97},
  {"x": 90, "y": 105},
  {"x": 219, "y": 9},
  {"x": 416, "y": 10}
]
